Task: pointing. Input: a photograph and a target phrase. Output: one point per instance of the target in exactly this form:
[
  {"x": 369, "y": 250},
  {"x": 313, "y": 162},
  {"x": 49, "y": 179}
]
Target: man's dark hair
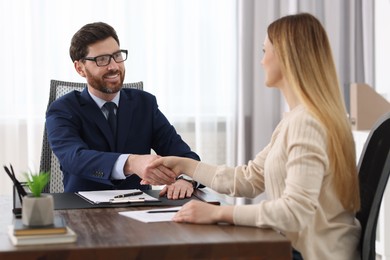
[{"x": 87, "y": 35}]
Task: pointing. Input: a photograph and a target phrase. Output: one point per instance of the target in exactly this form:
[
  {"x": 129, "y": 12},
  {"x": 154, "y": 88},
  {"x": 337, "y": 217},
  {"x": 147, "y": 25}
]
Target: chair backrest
[
  {"x": 49, "y": 162},
  {"x": 374, "y": 170}
]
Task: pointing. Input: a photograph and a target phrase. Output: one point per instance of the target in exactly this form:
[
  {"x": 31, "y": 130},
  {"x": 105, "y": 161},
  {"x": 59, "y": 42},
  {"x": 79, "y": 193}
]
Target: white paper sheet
[
  {"x": 106, "y": 196},
  {"x": 147, "y": 217}
]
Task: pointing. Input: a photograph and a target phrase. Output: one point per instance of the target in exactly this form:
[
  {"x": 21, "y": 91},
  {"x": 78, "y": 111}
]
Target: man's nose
[{"x": 112, "y": 65}]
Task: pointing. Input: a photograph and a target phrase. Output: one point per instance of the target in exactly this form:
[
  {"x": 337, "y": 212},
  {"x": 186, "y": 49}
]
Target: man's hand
[
  {"x": 138, "y": 164},
  {"x": 179, "y": 190}
]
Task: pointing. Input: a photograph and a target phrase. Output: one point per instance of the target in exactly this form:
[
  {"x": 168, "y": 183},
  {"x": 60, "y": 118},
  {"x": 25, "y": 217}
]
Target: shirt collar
[{"x": 100, "y": 102}]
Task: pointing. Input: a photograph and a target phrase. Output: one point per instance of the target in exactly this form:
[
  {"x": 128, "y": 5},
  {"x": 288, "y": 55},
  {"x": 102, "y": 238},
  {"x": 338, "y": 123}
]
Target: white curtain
[{"x": 183, "y": 51}]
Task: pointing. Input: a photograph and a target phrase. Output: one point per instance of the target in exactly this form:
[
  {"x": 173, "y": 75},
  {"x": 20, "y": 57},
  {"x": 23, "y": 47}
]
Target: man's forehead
[{"x": 106, "y": 46}]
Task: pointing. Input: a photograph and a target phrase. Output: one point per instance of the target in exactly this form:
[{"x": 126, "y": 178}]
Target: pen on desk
[
  {"x": 124, "y": 200},
  {"x": 162, "y": 211},
  {"x": 129, "y": 194}
]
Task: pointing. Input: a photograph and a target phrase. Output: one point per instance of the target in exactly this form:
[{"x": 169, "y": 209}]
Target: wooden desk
[{"x": 104, "y": 234}]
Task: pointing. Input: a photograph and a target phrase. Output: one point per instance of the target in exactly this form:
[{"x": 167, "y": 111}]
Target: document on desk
[
  {"x": 116, "y": 196},
  {"x": 152, "y": 215}
]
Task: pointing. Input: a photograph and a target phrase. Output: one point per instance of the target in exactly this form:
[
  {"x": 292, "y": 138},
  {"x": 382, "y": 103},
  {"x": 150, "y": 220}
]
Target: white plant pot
[{"x": 38, "y": 211}]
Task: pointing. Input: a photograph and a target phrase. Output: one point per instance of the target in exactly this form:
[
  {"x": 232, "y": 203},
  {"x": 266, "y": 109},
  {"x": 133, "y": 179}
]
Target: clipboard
[
  {"x": 73, "y": 201},
  {"x": 116, "y": 196}
]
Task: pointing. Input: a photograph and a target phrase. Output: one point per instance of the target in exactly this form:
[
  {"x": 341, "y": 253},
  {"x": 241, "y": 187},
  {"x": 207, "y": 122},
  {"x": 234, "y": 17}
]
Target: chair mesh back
[
  {"x": 374, "y": 170},
  {"x": 49, "y": 162}
]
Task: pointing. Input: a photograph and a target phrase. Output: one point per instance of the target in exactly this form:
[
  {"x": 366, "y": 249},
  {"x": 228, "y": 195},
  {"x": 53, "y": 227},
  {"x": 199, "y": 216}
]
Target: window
[{"x": 382, "y": 51}]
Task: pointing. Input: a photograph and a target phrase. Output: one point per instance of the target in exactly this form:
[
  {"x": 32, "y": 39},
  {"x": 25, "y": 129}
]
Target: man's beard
[{"x": 99, "y": 84}]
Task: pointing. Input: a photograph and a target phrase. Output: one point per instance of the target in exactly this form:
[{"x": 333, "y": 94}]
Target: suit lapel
[
  {"x": 93, "y": 113},
  {"x": 124, "y": 116}
]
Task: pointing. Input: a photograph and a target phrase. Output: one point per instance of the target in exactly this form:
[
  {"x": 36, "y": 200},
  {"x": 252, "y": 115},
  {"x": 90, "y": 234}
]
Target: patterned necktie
[{"x": 110, "y": 106}]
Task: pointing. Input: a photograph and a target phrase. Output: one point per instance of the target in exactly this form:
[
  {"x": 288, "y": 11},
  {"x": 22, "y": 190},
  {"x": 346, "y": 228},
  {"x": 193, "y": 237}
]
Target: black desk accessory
[{"x": 19, "y": 190}]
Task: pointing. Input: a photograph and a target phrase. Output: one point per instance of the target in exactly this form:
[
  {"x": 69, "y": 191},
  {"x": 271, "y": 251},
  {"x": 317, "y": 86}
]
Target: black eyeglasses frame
[{"x": 111, "y": 56}]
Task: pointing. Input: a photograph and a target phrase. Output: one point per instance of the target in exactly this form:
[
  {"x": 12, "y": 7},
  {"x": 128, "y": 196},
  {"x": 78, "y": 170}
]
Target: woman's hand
[
  {"x": 203, "y": 213},
  {"x": 170, "y": 166},
  {"x": 158, "y": 175}
]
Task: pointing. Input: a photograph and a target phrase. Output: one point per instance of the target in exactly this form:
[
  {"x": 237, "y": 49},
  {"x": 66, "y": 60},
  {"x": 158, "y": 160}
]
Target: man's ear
[{"x": 79, "y": 66}]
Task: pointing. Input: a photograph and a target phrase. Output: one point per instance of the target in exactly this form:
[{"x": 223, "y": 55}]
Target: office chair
[
  {"x": 374, "y": 170},
  {"x": 49, "y": 162}
]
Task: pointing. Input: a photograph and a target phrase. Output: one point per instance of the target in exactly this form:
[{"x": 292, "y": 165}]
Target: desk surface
[{"x": 104, "y": 234}]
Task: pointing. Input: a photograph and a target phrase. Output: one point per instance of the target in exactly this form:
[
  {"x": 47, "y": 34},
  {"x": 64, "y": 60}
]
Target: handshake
[{"x": 157, "y": 170}]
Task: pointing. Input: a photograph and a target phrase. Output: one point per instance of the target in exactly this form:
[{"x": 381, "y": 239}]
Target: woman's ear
[{"x": 79, "y": 66}]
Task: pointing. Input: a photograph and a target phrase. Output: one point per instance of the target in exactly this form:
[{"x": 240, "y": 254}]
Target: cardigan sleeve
[
  {"x": 241, "y": 181},
  {"x": 295, "y": 172},
  {"x": 291, "y": 169}
]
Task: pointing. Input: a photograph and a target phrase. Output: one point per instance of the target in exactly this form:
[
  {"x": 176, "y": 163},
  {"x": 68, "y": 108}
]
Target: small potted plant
[{"x": 37, "y": 208}]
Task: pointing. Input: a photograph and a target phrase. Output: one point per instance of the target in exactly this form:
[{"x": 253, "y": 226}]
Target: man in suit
[{"x": 101, "y": 147}]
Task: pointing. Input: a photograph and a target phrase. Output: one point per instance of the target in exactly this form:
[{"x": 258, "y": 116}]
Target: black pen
[
  {"x": 135, "y": 193},
  {"x": 163, "y": 211}
]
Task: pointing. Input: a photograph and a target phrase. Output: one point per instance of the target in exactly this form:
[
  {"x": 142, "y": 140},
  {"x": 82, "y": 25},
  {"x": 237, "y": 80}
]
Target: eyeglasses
[{"x": 104, "y": 60}]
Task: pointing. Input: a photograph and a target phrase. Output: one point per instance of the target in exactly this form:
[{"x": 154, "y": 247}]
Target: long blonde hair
[{"x": 303, "y": 48}]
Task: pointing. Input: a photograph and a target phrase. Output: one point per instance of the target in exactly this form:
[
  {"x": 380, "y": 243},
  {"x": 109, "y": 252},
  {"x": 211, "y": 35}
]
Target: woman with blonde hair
[{"x": 308, "y": 170}]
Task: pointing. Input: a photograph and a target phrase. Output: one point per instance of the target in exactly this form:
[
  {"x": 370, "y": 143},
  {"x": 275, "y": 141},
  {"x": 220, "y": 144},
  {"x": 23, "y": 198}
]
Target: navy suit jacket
[{"x": 81, "y": 138}]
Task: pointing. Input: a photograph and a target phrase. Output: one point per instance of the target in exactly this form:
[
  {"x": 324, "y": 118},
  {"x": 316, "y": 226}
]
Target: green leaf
[{"x": 37, "y": 182}]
